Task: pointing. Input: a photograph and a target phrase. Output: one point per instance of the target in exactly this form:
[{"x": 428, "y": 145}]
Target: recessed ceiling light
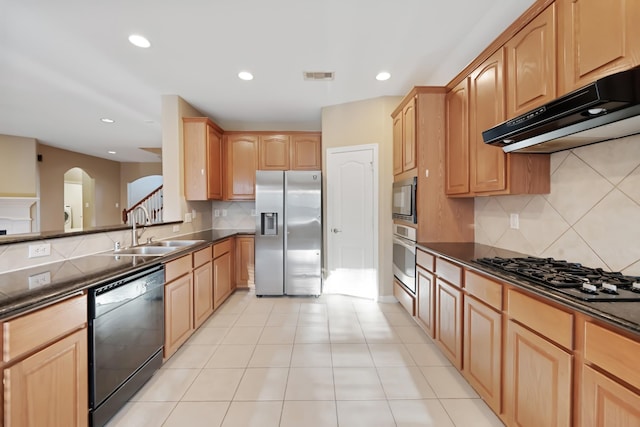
[
  {"x": 382, "y": 76},
  {"x": 245, "y": 75},
  {"x": 140, "y": 41},
  {"x": 107, "y": 120},
  {"x": 111, "y": 152}
]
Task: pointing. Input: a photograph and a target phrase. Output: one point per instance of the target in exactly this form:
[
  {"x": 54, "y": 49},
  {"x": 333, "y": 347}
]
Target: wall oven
[
  {"x": 404, "y": 256},
  {"x": 404, "y": 200},
  {"x": 126, "y": 337}
]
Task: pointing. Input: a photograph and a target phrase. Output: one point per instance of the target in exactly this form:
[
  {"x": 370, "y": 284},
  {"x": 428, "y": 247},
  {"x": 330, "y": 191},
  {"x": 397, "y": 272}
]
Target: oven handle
[{"x": 408, "y": 244}]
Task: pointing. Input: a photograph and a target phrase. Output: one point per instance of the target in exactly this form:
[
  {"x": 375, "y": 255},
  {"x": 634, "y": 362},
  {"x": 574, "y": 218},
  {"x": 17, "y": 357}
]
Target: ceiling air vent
[{"x": 319, "y": 75}]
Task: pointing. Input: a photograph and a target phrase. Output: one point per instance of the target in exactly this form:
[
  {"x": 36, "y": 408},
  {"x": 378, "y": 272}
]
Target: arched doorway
[{"x": 79, "y": 197}]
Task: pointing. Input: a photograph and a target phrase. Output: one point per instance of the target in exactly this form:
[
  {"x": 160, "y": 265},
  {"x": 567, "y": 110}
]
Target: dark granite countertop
[
  {"x": 625, "y": 315},
  {"x": 20, "y": 290}
]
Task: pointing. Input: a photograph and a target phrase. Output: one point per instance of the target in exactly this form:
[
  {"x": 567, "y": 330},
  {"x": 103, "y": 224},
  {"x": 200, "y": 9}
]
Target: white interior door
[{"x": 351, "y": 221}]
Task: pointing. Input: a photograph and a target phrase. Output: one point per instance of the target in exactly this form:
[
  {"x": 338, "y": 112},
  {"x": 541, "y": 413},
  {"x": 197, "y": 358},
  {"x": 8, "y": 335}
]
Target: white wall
[{"x": 368, "y": 122}]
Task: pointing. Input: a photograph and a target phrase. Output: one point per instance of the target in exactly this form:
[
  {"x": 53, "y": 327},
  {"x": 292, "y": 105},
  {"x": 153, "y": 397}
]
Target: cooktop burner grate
[{"x": 570, "y": 278}]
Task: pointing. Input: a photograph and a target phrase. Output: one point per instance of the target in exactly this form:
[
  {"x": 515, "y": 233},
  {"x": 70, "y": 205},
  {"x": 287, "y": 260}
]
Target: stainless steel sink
[
  {"x": 146, "y": 250},
  {"x": 175, "y": 243}
]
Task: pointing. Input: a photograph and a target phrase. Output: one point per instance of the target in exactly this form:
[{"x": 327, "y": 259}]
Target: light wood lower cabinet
[
  {"x": 202, "y": 293},
  {"x": 178, "y": 312},
  {"x": 538, "y": 379},
  {"x": 244, "y": 261},
  {"x": 482, "y": 361},
  {"x": 221, "y": 272},
  {"x": 449, "y": 321},
  {"x": 607, "y": 403},
  {"x": 426, "y": 290}
]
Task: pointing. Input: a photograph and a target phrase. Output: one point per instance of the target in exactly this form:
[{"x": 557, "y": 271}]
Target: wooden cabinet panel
[
  {"x": 49, "y": 388},
  {"x": 30, "y": 331},
  {"x": 448, "y": 322},
  {"x": 404, "y": 298},
  {"x": 202, "y": 256},
  {"x": 596, "y": 38},
  {"x": 484, "y": 289},
  {"x": 553, "y": 323},
  {"x": 425, "y": 260},
  {"x": 178, "y": 267},
  {"x": 457, "y": 140},
  {"x": 306, "y": 152},
  {"x": 273, "y": 152},
  {"x": 538, "y": 379},
  {"x": 245, "y": 263},
  {"x": 202, "y": 293},
  {"x": 241, "y": 153},
  {"x": 178, "y": 312},
  {"x": 449, "y": 271},
  {"x": 221, "y": 248},
  {"x": 397, "y": 144},
  {"x": 409, "y": 136},
  {"x": 482, "y": 361},
  {"x": 531, "y": 64},
  {"x": 488, "y": 163},
  {"x": 606, "y": 403},
  {"x": 425, "y": 312},
  {"x": 221, "y": 279},
  {"x": 202, "y": 159}
]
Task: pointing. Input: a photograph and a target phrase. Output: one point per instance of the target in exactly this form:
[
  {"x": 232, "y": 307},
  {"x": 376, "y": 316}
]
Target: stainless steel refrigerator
[{"x": 288, "y": 241}]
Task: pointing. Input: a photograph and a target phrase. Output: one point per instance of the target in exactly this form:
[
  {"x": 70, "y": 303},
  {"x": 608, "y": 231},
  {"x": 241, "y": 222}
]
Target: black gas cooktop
[{"x": 570, "y": 278}]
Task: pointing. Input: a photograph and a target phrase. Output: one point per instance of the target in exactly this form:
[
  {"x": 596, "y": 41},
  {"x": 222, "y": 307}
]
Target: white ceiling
[{"x": 65, "y": 64}]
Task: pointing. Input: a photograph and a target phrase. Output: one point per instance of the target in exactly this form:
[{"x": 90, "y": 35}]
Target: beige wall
[
  {"x": 591, "y": 216},
  {"x": 367, "y": 122},
  {"x": 18, "y": 173},
  {"x": 106, "y": 187}
]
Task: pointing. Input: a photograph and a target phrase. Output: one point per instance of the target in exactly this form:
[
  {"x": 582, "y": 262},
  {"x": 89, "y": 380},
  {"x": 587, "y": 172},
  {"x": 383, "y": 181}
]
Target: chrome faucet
[{"x": 134, "y": 234}]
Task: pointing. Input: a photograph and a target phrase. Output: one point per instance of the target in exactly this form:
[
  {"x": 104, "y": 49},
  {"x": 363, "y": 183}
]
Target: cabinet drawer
[
  {"x": 221, "y": 248},
  {"x": 484, "y": 289},
  {"x": 424, "y": 260},
  {"x": 177, "y": 267},
  {"x": 549, "y": 321},
  {"x": 202, "y": 256},
  {"x": 404, "y": 298},
  {"x": 449, "y": 271},
  {"x": 612, "y": 352},
  {"x": 34, "y": 330}
]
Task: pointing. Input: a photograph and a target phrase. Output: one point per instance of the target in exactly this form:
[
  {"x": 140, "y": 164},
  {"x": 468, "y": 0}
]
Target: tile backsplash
[
  {"x": 235, "y": 215},
  {"x": 591, "y": 215}
]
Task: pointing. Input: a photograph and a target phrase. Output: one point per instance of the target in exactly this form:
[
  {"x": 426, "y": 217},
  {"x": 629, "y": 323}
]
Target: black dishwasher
[{"x": 126, "y": 335}]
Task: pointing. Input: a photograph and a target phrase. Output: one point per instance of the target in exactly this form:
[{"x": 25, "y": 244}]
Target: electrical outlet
[
  {"x": 187, "y": 217},
  {"x": 193, "y": 213},
  {"x": 224, "y": 212},
  {"x": 216, "y": 213},
  {"x": 38, "y": 280},
  {"x": 117, "y": 205},
  {"x": 176, "y": 228},
  {"x": 514, "y": 221},
  {"x": 43, "y": 249}
]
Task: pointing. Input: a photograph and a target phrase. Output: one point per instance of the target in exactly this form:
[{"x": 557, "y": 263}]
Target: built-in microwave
[{"x": 404, "y": 200}]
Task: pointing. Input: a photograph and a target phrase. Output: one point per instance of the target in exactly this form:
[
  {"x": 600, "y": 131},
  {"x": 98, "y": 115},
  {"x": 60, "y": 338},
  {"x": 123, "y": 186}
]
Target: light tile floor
[{"x": 306, "y": 362}]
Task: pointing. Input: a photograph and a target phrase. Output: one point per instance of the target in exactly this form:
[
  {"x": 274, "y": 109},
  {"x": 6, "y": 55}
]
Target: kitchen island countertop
[
  {"x": 625, "y": 315},
  {"x": 20, "y": 290}
]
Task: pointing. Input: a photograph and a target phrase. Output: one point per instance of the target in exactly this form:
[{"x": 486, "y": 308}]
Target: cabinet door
[
  {"x": 531, "y": 64},
  {"x": 178, "y": 312},
  {"x": 306, "y": 152},
  {"x": 488, "y": 163},
  {"x": 596, "y": 38},
  {"x": 397, "y": 144},
  {"x": 409, "y": 136},
  {"x": 457, "y": 140},
  {"x": 483, "y": 350},
  {"x": 426, "y": 304},
  {"x": 244, "y": 261},
  {"x": 242, "y": 161},
  {"x": 202, "y": 293},
  {"x": 221, "y": 279},
  {"x": 537, "y": 380},
  {"x": 449, "y": 321},
  {"x": 195, "y": 158},
  {"x": 604, "y": 402},
  {"x": 214, "y": 164},
  {"x": 273, "y": 153},
  {"x": 49, "y": 388}
]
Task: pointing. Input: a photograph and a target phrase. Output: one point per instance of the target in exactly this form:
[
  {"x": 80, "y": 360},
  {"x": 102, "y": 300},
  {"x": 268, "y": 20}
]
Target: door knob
[{"x": 337, "y": 230}]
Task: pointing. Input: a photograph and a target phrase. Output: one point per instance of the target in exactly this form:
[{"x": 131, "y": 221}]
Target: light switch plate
[{"x": 514, "y": 221}]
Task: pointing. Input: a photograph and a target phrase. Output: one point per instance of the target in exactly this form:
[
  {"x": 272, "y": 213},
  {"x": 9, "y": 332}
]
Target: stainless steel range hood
[{"x": 606, "y": 109}]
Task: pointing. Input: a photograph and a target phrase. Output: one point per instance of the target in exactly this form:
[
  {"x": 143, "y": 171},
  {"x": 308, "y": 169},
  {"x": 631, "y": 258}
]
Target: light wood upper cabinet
[
  {"x": 245, "y": 263},
  {"x": 457, "y": 140},
  {"x": 404, "y": 138},
  {"x": 596, "y": 38},
  {"x": 306, "y": 152},
  {"x": 531, "y": 64},
  {"x": 488, "y": 163},
  {"x": 241, "y": 154},
  {"x": 273, "y": 152},
  {"x": 202, "y": 159}
]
